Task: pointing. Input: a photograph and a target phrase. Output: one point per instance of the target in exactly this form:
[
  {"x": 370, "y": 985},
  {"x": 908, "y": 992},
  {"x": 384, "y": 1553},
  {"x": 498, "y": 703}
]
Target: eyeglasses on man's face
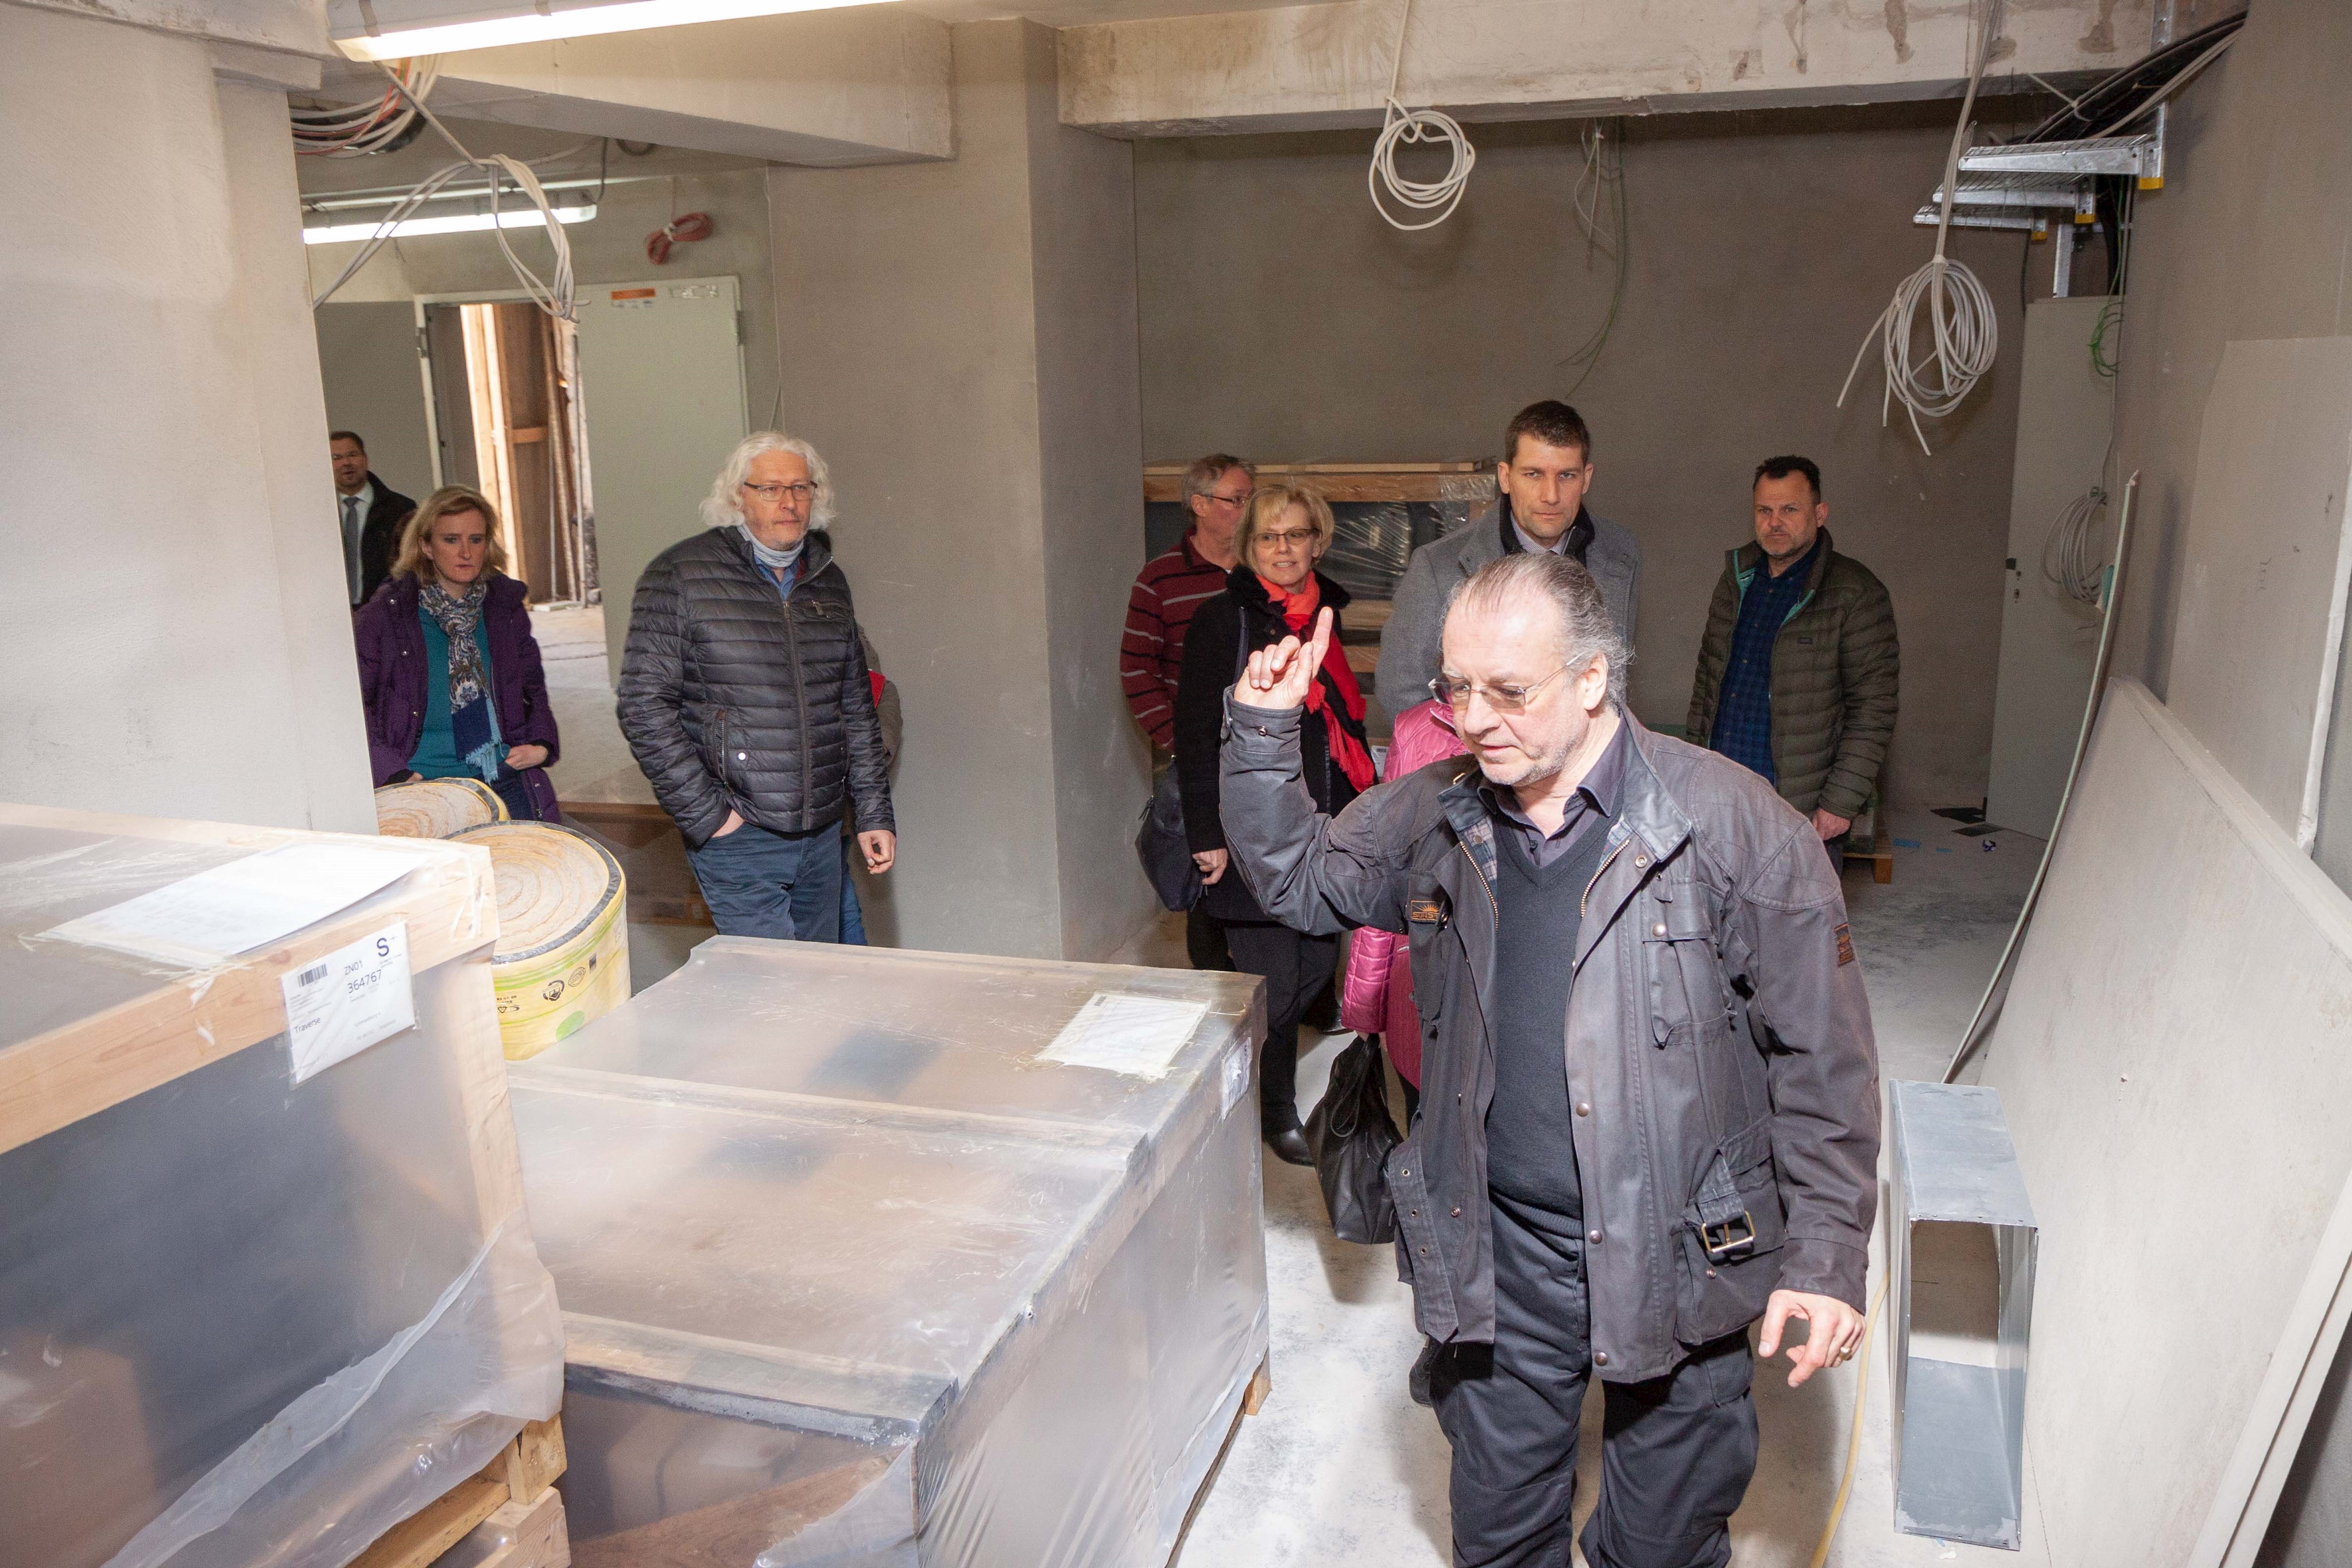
[
  {"x": 1456, "y": 694},
  {"x": 800, "y": 494},
  {"x": 1236, "y": 502}
]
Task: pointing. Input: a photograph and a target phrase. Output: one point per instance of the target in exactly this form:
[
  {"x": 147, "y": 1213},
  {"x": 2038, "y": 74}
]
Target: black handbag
[
  {"x": 1161, "y": 846},
  {"x": 1350, "y": 1135}
]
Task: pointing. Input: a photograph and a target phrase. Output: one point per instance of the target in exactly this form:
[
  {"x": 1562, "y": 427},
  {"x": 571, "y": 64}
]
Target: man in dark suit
[{"x": 370, "y": 515}]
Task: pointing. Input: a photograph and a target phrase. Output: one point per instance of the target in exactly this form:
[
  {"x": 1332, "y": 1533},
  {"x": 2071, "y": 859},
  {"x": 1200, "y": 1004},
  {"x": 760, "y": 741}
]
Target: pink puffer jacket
[{"x": 1377, "y": 996}]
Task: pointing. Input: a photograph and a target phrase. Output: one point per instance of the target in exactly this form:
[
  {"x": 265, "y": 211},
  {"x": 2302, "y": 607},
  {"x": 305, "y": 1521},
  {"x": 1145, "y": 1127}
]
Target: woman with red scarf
[{"x": 1273, "y": 593}]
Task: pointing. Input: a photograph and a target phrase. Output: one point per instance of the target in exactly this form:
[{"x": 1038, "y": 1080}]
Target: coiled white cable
[
  {"x": 1402, "y": 126},
  {"x": 1966, "y": 334},
  {"x": 2069, "y": 555}
]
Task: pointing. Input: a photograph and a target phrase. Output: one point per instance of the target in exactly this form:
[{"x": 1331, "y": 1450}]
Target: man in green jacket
[{"x": 1797, "y": 674}]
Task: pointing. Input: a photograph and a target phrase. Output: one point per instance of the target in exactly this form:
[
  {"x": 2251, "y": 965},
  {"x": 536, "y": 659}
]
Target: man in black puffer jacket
[{"x": 745, "y": 699}]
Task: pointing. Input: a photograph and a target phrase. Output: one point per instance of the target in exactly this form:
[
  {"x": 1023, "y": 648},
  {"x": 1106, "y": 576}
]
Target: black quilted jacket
[{"x": 735, "y": 697}]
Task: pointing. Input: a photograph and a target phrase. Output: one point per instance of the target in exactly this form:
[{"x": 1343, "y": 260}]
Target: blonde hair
[
  {"x": 413, "y": 557},
  {"x": 1267, "y": 507}
]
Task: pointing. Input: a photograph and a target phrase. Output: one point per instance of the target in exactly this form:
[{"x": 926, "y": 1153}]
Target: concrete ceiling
[{"x": 869, "y": 83}]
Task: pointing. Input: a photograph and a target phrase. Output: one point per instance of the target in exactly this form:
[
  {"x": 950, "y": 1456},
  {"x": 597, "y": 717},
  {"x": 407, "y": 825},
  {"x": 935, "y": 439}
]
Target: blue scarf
[
  {"x": 777, "y": 563},
  {"x": 473, "y": 722}
]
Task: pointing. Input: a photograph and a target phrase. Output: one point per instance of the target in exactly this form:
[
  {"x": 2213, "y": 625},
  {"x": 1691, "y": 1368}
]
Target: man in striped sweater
[{"x": 1169, "y": 588}]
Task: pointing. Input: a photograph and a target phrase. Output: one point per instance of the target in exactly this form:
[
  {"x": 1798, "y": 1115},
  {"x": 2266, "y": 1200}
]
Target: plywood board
[
  {"x": 2174, "y": 1056},
  {"x": 2262, "y": 601}
]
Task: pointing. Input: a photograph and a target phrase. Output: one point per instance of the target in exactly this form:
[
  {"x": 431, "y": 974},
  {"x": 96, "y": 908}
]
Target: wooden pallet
[
  {"x": 662, "y": 889},
  {"x": 513, "y": 1500},
  {"x": 1880, "y": 861},
  {"x": 1339, "y": 482}
]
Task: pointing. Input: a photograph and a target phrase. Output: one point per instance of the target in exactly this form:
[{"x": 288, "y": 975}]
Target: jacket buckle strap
[
  {"x": 1726, "y": 1230},
  {"x": 1729, "y": 1240}
]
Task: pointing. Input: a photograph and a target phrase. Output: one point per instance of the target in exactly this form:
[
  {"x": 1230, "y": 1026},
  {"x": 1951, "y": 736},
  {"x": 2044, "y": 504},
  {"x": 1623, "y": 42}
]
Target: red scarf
[{"x": 1297, "y": 610}]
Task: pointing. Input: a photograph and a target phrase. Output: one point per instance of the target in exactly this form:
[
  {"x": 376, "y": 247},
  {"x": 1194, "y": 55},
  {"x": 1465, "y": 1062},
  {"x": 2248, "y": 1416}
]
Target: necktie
[{"x": 352, "y": 544}]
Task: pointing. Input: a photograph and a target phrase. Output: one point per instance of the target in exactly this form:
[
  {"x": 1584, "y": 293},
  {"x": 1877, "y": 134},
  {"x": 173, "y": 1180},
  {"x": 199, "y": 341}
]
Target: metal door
[{"x": 661, "y": 372}]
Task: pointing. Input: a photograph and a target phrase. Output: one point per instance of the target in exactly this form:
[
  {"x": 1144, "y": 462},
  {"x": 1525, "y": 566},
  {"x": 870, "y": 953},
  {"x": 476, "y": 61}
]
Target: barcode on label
[{"x": 311, "y": 976}]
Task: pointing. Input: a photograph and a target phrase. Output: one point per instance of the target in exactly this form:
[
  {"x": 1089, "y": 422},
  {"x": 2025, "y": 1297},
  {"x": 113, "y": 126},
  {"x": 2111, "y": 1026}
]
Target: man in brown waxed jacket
[{"x": 1649, "y": 1096}]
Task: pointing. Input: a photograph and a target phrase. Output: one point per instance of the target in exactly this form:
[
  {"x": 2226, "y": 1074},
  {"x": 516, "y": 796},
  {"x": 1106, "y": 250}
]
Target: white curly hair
[{"x": 723, "y": 507}]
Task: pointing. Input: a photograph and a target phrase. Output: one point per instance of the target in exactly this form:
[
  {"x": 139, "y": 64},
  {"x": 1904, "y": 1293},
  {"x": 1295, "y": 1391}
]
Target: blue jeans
[{"x": 761, "y": 884}]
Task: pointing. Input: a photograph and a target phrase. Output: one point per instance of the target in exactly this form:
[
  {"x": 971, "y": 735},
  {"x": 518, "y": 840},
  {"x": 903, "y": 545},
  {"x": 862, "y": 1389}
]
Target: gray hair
[
  {"x": 722, "y": 508},
  {"x": 1587, "y": 629},
  {"x": 1201, "y": 476}
]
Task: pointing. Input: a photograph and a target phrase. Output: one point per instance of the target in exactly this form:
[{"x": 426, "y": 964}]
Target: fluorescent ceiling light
[
  {"x": 395, "y": 29},
  {"x": 457, "y": 222}
]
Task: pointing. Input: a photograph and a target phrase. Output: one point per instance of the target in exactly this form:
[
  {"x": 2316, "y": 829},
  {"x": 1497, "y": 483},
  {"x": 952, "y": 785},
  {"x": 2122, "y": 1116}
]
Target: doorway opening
[{"x": 506, "y": 422}]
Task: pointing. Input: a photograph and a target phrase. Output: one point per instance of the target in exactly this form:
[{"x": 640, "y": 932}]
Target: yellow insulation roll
[
  {"x": 563, "y": 957},
  {"x": 436, "y": 808}
]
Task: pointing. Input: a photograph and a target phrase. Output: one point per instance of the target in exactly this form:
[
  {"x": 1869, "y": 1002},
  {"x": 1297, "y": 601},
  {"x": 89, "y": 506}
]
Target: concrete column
[
  {"x": 172, "y": 614},
  {"x": 960, "y": 340}
]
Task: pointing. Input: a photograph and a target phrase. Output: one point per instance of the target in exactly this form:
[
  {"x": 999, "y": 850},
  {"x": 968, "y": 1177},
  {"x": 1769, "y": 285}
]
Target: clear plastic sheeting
[
  {"x": 244, "y": 1321},
  {"x": 383, "y": 1437},
  {"x": 856, "y": 1276},
  {"x": 1370, "y": 543},
  {"x": 1462, "y": 497}
]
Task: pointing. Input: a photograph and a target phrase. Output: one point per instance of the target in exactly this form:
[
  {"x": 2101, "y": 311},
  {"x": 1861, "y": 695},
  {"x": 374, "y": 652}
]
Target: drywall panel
[
  {"x": 367, "y": 358},
  {"x": 2049, "y": 641},
  {"x": 2253, "y": 670},
  {"x": 2174, "y": 1055}
]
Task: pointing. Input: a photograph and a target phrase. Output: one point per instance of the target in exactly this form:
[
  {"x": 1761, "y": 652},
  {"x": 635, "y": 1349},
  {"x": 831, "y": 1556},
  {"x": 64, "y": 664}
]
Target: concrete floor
[
  {"x": 1341, "y": 1467},
  {"x": 595, "y": 764}
]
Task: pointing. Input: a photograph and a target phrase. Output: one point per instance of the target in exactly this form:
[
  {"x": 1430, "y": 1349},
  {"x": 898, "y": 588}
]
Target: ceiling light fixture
[
  {"x": 396, "y": 29},
  {"x": 527, "y": 217}
]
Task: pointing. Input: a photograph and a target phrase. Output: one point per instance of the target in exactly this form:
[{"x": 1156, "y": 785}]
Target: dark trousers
[
  {"x": 516, "y": 793},
  {"x": 1676, "y": 1451},
  {"x": 760, "y": 883},
  {"x": 1205, "y": 940},
  {"x": 1295, "y": 966}
]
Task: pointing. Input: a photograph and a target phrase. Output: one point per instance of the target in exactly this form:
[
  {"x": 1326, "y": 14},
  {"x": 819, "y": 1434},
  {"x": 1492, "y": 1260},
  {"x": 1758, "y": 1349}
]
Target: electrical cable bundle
[
  {"x": 1960, "y": 312},
  {"x": 1401, "y": 127},
  {"x": 1602, "y": 179},
  {"x": 554, "y": 294},
  {"x": 2069, "y": 556},
  {"x": 386, "y": 125},
  {"x": 2126, "y": 96},
  {"x": 682, "y": 230}
]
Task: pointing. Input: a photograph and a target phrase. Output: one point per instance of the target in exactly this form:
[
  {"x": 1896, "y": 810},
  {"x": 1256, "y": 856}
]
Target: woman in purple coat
[{"x": 449, "y": 669}]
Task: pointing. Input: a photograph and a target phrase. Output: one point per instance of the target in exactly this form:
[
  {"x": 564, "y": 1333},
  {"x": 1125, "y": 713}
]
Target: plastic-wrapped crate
[
  {"x": 899, "y": 1257},
  {"x": 257, "y": 1304}
]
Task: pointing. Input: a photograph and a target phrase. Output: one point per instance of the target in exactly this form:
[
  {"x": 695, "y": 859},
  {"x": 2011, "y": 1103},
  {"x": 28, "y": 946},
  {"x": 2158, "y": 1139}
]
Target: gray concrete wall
[
  {"x": 367, "y": 358},
  {"x": 982, "y": 469},
  {"x": 2247, "y": 240},
  {"x": 1090, "y": 443},
  {"x": 174, "y": 615},
  {"x": 1282, "y": 320}
]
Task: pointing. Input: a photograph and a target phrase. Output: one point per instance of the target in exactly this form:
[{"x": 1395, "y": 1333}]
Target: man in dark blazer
[{"x": 370, "y": 514}]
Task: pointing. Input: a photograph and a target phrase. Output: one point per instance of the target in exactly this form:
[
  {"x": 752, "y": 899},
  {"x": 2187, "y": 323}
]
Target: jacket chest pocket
[
  {"x": 1428, "y": 911},
  {"x": 1689, "y": 993}
]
